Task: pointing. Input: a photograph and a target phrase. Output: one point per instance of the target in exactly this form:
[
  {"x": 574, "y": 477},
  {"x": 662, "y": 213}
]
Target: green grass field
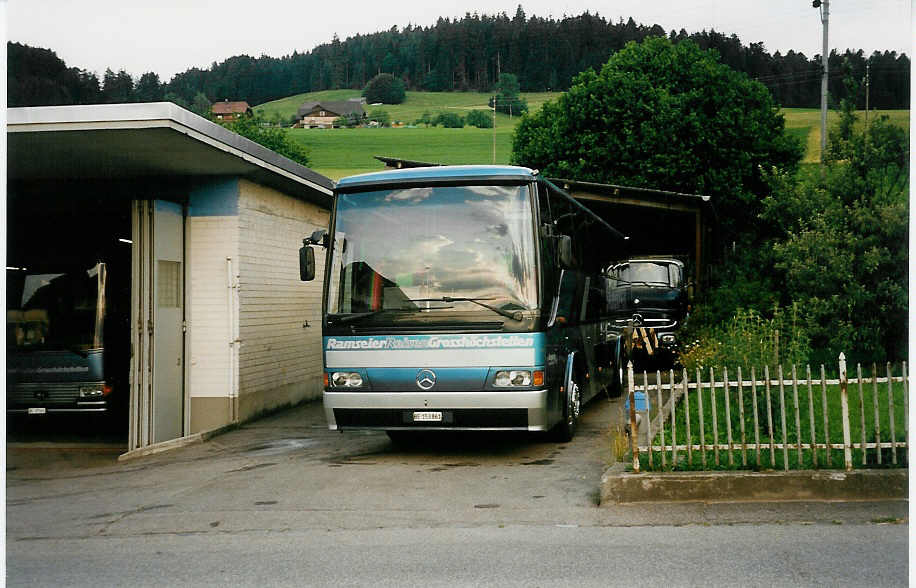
[
  {"x": 340, "y": 152},
  {"x": 805, "y": 123}
]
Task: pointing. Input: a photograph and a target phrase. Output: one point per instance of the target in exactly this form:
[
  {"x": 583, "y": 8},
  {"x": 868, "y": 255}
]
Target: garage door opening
[{"x": 68, "y": 318}]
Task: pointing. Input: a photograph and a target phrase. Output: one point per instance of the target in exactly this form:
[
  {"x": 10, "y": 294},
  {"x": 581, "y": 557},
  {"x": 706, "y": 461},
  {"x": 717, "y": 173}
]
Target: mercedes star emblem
[{"x": 426, "y": 379}]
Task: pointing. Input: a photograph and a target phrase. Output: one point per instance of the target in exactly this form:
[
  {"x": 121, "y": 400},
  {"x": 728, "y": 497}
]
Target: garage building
[{"x": 193, "y": 233}]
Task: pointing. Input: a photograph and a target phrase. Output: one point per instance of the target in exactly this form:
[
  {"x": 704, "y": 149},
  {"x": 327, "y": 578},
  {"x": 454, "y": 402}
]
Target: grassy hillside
[
  {"x": 340, "y": 152},
  {"x": 413, "y": 107}
]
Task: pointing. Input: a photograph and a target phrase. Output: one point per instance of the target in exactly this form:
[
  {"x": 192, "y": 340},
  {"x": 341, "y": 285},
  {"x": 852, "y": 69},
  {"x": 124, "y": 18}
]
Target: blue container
[{"x": 642, "y": 401}]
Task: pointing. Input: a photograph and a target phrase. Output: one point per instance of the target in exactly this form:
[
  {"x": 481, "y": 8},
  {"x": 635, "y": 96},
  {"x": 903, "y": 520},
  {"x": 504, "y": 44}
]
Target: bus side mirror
[
  {"x": 564, "y": 250},
  {"x": 306, "y": 263}
]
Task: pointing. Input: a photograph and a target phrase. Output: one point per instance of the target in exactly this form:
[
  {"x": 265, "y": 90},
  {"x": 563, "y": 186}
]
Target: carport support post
[
  {"x": 844, "y": 401},
  {"x": 634, "y": 432}
]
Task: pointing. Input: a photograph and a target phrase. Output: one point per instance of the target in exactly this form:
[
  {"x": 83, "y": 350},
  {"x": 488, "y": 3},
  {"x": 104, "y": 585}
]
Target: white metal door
[{"x": 157, "y": 359}]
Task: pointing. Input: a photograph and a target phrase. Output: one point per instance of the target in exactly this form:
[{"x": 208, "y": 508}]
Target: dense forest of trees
[{"x": 453, "y": 55}]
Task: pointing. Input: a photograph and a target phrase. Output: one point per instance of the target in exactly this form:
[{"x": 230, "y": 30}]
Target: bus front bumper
[{"x": 456, "y": 411}]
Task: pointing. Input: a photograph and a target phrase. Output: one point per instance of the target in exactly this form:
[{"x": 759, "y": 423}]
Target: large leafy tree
[
  {"x": 666, "y": 116},
  {"x": 841, "y": 247},
  {"x": 384, "y": 88}
]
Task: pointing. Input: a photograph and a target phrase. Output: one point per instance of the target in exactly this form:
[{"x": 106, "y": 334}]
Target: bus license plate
[
  {"x": 40, "y": 410},
  {"x": 427, "y": 417}
]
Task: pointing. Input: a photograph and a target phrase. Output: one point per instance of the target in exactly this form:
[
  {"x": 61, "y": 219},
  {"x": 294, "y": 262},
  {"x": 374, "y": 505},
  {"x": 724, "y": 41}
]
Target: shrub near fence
[{"x": 714, "y": 422}]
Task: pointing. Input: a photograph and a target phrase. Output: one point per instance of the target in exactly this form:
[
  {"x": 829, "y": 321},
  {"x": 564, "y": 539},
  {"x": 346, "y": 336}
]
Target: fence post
[
  {"x": 890, "y": 414},
  {"x": 728, "y": 417},
  {"x": 766, "y": 375},
  {"x": 862, "y": 414},
  {"x": 844, "y": 402},
  {"x": 874, "y": 396},
  {"x": 715, "y": 418},
  {"x": 688, "y": 436},
  {"x": 756, "y": 415},
  {"x": 782, "y": 418},
  {"x": 798, "y": 429},
  {"x": 702, "y": 425},
  {"x": 673, "y": 419},
  {"x": 661, "y": 415},
  {"x": 648, "y": 397},
  {"x": 828, "y": 455},
  {"x": 811, "y": 417},
  {"x": 634, "y": 444},
  {"x": 741, "y": 418},
  {"x": 906, "y": 407}
]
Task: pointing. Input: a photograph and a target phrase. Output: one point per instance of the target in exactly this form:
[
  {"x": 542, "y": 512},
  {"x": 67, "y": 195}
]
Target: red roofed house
[{"x": 229, "y": 111}]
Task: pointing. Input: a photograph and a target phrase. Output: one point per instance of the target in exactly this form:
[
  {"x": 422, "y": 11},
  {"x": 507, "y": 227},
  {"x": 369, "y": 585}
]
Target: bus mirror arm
[{"x": 319, "y": 237}]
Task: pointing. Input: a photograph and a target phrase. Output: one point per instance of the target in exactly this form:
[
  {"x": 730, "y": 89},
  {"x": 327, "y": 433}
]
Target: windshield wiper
[
  {"x": 516, "y": 316},
  {"x": 346, "y": 318},
  {"x": 640, "y": 283}
]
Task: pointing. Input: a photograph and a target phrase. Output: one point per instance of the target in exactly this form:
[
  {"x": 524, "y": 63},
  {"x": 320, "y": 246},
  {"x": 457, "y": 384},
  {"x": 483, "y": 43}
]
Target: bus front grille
[{"x": 43, "y": 393}]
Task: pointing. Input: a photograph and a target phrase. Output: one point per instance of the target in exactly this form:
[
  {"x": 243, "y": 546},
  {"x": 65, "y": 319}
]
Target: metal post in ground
[
  {"x": 634, "y": 444},
  {"x": 844, "y": 403}
]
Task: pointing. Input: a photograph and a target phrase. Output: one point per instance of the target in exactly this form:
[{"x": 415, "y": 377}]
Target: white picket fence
[{"x": 680, "y": 434}]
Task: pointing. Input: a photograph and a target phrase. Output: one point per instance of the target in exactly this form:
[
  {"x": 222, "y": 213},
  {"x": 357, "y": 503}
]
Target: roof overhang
[
  {"x": 145, "y": 140},
  {"x": 633, "y": 196}
]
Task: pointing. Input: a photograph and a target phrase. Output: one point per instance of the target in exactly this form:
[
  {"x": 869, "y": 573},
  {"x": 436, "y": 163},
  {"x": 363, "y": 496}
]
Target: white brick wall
[
  {"x": 212, "y": 240},
  {"x": 276, "y": 351}
]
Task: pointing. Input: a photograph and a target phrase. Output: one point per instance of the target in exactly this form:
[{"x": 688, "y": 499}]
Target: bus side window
[
  {"x": 566, "y": 309},
  {"x": 596, "y": 301}
]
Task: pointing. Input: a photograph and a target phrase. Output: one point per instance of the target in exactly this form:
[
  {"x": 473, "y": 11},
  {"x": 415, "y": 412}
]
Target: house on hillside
[
  {"x": 230, "y": 111},
  {"x": 323, "y": 114}
]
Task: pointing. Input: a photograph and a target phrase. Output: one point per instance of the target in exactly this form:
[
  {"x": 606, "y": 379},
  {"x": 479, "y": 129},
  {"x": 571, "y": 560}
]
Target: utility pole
[
  {"x": 867, "y": 67},
  {"x": 494, "y": 130},
  {"x": 825, "y": 54}
]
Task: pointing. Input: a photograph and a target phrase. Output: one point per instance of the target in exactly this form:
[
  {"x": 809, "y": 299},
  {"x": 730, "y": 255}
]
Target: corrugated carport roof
[{"x": 156, "y": 139}]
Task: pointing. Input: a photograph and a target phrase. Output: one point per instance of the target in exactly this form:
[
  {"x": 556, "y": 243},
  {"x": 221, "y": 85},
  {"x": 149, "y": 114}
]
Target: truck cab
[{"x": 648, "y": 301}]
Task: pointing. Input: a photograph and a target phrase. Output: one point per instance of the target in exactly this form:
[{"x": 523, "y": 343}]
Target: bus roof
[{"x": 444, "y": 173}]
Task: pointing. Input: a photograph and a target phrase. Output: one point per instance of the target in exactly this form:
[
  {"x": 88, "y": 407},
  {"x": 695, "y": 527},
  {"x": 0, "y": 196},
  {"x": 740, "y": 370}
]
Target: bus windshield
[
  {"x": 55, "y": 310},
  {"x": 434, "y": 249}
]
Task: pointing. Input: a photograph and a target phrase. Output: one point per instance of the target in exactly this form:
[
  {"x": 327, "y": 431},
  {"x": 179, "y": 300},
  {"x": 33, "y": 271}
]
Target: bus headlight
[
  {"x": 347, "y": 379},
  {"x": 92, "y": 391},
  {"x": 514, "y": 378}
]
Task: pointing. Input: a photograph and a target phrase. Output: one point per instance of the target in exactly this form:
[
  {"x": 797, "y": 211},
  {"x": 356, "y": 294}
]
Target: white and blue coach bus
[{"x": 464, "y": 298}]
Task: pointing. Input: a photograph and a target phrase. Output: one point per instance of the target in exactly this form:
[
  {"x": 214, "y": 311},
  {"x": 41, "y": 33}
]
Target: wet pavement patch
[
  {"x": 248, "y": 468},
  {"x": 279, "y": 446}
]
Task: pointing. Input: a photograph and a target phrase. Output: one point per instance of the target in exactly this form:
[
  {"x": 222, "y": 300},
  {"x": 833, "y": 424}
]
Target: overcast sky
[{"x": 170, "y": 36}]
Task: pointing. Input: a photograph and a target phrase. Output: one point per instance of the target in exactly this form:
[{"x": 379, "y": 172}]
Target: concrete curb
[
  {"x": 177, "y": 443},
  {"x": 619, "y": 486}
]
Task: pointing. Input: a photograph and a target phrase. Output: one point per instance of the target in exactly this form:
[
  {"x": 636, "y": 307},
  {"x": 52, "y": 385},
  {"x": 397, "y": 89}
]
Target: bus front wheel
[{"x": 566, "y": 428}]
